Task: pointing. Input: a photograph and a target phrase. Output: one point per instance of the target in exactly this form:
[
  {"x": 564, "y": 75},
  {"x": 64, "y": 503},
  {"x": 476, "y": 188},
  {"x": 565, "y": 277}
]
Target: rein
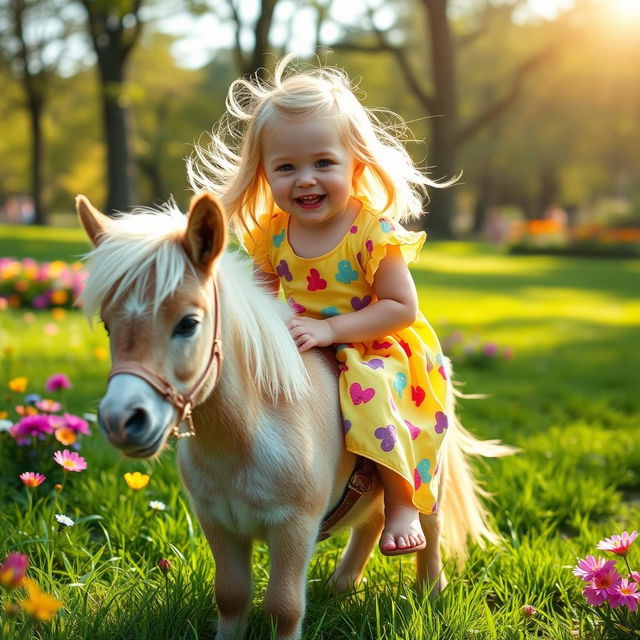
[{"x": 183, "y": 402}]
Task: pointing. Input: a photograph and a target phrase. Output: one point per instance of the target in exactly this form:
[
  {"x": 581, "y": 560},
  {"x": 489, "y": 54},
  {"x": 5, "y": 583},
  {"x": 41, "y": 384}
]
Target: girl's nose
[{"x": 305, "y": 179}]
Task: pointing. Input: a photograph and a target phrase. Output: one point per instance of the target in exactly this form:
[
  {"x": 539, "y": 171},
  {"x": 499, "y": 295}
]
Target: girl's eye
[
  {"x": 285, "y": 167},
  {"x": 324, "y": 163},
  {"x": 186, "y": 327}
]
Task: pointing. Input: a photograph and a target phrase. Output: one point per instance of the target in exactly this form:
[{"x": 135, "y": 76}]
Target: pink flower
[
  {"x": 586, "y": 569},
  {"x": 32, "y": 479},
  {"x": 626, "y": 594},
  {"x": 490, "y": 349},
  {"x": 603, "y": 586},
  {"x": 618, "y": 544},
  {"x": 13, "y": 569},
  {"x": 29, "y": 427},
  {"x": 48, "y": 406},
  {"x": 635, "y": 576},
  {"x": 528, "y": 611},
  {"x": 57, "y": 382},
  {"x": 76, "y": 424},
  {"x": 70, "y": 461}
]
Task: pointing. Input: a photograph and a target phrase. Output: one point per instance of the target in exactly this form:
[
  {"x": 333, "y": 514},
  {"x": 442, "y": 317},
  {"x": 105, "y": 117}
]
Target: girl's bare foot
[{"x": 402, "y": 532}]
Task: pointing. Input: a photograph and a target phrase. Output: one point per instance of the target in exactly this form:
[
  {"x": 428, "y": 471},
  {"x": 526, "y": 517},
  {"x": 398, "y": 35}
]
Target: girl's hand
[{"x": 309, "y": 332}]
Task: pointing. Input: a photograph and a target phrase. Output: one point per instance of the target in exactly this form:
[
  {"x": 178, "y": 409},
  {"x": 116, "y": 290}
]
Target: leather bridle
[{"x": 183, "y": 402}]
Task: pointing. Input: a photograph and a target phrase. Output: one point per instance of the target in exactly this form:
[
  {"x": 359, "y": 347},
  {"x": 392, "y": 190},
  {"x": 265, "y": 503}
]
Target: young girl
[{"x": 318, "y": 188}]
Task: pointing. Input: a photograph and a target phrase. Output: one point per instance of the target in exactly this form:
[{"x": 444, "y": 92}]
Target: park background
[{"x": 530, "y": 278}]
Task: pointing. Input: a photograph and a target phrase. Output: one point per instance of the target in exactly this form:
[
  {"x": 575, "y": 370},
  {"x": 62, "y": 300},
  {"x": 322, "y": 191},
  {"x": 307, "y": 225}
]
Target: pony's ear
[
  {"x": 206, "y": 235},
  {"x": 93, "y": 221}
]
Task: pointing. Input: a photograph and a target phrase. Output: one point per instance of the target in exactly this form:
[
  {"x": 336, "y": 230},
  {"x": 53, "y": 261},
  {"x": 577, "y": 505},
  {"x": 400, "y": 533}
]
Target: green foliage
[{"x": 568, "y": 398}]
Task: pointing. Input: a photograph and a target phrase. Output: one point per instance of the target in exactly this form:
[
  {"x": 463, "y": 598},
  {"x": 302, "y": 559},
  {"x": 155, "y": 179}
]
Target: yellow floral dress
[{"x": 393, "y": 389}]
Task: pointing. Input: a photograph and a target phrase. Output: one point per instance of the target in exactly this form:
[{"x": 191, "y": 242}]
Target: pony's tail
[{"x": 463, "y": 516}]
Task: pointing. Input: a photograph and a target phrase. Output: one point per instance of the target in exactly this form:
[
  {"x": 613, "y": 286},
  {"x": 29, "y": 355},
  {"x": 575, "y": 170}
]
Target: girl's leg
[{"x": 402, "y": 530}]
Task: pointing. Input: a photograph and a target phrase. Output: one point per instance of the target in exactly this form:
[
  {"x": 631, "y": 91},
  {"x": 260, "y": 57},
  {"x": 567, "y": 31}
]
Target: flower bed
[
  {"x": 40, "y": 285},
  {"x": 549, "y": 236}
]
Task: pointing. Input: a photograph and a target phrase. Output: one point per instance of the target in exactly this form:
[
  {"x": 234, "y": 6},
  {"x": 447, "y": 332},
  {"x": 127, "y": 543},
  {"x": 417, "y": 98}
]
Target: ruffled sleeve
[
  {"x": 379, "y": 236},
  {"x": 257, "y": 243}
]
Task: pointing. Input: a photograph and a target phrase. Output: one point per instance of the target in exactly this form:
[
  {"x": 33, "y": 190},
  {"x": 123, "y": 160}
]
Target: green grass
[{"x": 568, "y": 398}]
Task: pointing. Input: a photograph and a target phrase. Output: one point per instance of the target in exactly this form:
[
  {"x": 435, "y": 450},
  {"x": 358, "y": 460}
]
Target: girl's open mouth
[{"x": 310, "y": 202}]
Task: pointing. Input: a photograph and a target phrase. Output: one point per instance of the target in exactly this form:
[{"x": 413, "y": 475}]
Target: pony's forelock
[{"x": 140, "y": 256}]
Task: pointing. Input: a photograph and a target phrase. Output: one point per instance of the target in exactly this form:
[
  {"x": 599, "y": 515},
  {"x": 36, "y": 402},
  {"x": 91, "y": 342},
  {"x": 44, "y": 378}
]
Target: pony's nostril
[{"x": 136, "y": 423}]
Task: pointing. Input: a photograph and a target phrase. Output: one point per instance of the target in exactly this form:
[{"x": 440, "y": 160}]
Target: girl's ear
[
  {"x": 206, "y": 235},
  {"x": 93, "y": 221}
]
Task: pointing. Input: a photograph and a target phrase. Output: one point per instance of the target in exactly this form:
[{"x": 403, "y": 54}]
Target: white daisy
[
  {"x": 156, "y": 505},
  {"x": 64, "y": 520},
  {"x": 5, "y": 425}
]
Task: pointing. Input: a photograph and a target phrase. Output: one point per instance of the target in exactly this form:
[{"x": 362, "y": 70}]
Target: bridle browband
[{"x": 183, "y": 402}]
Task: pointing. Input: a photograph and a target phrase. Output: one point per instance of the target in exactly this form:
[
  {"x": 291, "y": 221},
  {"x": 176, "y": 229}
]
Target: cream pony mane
[{"x": 141, "y": 256}]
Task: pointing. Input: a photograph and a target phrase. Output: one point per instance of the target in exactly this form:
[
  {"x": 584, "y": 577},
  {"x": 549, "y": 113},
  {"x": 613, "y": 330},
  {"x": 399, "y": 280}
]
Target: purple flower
[
  {"x": 76, "y": 424},
  {"x": 586, "y": 569},
  {"x": 603, "y": 587},
  {"x": 490, "y": 349},
  {"x": 29, "y": 427},
  {"x": 57, "y": 382}
]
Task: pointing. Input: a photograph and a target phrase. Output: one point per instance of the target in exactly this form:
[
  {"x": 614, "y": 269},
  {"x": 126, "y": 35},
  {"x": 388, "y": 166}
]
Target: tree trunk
[
  {"x": 444, "y": 123},
  {"x": 261, "y": 32},
  {"x": 115, "y": 121},
  {"x": 36, "y": 108}
]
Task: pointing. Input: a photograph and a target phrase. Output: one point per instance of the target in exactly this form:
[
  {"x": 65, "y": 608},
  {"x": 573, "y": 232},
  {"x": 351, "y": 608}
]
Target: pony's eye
[{"x": 186, "y": 327}]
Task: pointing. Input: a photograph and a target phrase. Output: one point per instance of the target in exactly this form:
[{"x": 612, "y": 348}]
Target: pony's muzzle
[{"x": 133, "y": 417}]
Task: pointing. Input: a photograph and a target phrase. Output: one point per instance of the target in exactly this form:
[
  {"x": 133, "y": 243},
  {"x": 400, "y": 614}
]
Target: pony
[{"x": 260, "y": 441}]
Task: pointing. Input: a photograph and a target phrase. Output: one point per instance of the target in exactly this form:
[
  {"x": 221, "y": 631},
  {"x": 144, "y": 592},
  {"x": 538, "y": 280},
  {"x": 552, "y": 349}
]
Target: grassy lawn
[{"x": 568, "y": 397}]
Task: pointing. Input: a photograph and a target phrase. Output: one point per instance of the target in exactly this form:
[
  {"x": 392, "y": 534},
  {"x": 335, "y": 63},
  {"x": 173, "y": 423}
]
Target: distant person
[{"x": 318, "y": 187}]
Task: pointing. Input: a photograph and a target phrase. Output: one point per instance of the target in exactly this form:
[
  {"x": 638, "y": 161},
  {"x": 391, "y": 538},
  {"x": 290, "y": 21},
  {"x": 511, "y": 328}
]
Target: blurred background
[{"x": 536, "y": 102}]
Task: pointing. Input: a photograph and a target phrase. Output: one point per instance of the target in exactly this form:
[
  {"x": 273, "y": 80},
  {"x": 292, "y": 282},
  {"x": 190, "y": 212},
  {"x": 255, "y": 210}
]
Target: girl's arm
[{"x": 396, "y": 308}]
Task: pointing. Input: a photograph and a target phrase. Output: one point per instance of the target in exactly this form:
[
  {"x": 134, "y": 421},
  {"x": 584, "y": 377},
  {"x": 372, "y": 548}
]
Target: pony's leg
[
  {"x": 290, "y": 546},
  {"x": 232, "y": 557},
  {"x": 429, "y": 573},
  {"x": 362, "y": 541}
]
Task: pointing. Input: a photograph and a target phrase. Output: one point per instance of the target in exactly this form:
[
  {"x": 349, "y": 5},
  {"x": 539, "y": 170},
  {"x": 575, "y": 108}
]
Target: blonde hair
[{"x": 231, "y": 164}]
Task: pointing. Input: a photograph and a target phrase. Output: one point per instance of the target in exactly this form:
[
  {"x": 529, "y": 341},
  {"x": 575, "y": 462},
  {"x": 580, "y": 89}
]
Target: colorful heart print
[
  {"x": 418, "y": 395},
  {"x": 278, "y": 238},
  {"x": 387, "y": 436},
  {"x": 360, "y": 303},
  {"x": 360, "y": 395},
  {"x": 386, "y": 226},
  {"x": 346, "y": 274},
  {"x": 376, "y": 363},
  {"x": 346, "y": 425},
  {"x": 369, "y": 245},
  {"x": 406, "y": 347},
  {"x": 413, "y": 430},
  {"x": 316, "y": 283},
  {"x": 329, "y": 312},
  {"x": 359, "y": 259},
  {"x": 400, "y": 383},
  {"x": 283, "y": 270},
  {"x": 298, "y": 308},
  {"x": 354, "y": 229},
  {"x": 442, "y": 369},
  {"x": 380, "y": 345},
  {"x": 442, "y": 422},
  {"x": 422, "y": 472}
]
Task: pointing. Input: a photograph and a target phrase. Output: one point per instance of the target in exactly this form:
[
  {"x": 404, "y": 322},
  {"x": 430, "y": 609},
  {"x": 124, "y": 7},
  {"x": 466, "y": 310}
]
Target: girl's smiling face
[{"x": 308, "y": 168}]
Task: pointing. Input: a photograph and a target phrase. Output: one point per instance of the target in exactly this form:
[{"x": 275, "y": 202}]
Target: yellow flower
[
  {"x": 58, "y": 314},
  {"x": 3, "y": 415},
  {"x": 100, "y": 353},
  {"x": 59, "y": 296},
  {"x": 39, "y": 605},
  {"x": 18, "y": 385},
  {"x": 136, "y": 480},
  {"x": 65, "y": 436}
]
